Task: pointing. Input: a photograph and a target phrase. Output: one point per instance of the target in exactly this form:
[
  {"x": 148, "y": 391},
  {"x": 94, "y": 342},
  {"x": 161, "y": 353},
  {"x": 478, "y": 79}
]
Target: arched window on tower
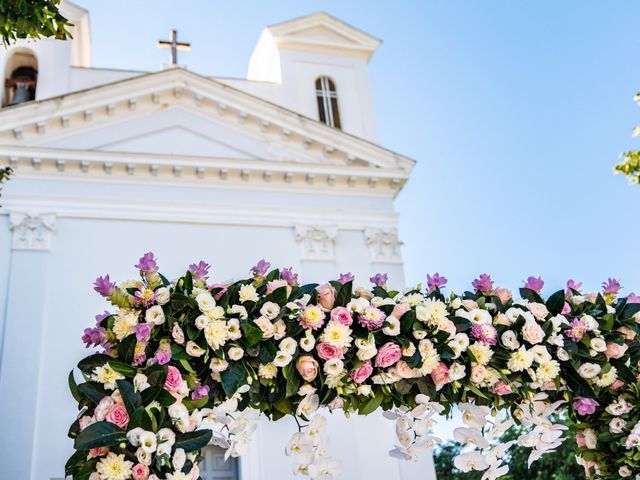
[
  {"x": 327, "y": 98},
  {"x": 21, "y": 76}
]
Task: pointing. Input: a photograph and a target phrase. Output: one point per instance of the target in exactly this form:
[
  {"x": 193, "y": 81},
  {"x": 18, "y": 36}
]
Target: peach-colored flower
[
  {"x": 440, "y": 374},
  {"x": 627, "y": 333},
  {"x": 98, "y": 452},
  {"x": 403, "y": 370},
  {"x": 307, "y": 367},
  {"x": 118, "y": 415},
  {"x": 388, "y": 354},
  {"x": 400, "y": 309},
  {"x": 326, "y": 296},
  {"x": 503, "y": 294},
  {"x": 615, "y": 351}
]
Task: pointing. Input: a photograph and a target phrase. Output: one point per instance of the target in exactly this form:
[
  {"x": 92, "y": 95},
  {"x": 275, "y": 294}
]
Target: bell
[{"x": 21, "y": 94}]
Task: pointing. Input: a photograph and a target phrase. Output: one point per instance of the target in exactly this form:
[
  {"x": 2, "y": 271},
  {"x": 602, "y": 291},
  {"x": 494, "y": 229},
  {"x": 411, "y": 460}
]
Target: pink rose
[
  {"x": 103, "y": 407},
  {"x": 615, "y": 351},
  {"x": 326, "y": 296},
  {"x": 98, "y": 452},
  {"x": 140, "y": 471},
  {"x": 363, "y": 372},
  {"x": 580, "y": 439},
  {"x": 448, "y": 326},
  {"x": 440, "y": 374},
  {"x": 388, "y": 354},
  {"x": 307, "y": 367},
  {"x": 503, "y": 294},
  {"x": 584, "y": 406},
  {"x": 618, "y": 384},
  {"x": 478, "y": 373},
  {"x": 327, "y": 351},
  {"x": 118, "y": 415},
  {"x": 273, "y": 285},
  {"x": 399, "y": 310},
  {"x": 174, "y": 379},
  {"x": 341, "y": 315},
  {"x": 502, "y": 388}
]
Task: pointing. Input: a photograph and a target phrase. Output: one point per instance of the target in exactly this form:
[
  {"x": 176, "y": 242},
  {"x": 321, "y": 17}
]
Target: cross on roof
[{"x": 174, "y": 45}]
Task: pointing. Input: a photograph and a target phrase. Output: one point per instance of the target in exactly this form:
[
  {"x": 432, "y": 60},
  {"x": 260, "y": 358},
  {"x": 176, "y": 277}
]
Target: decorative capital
[
  {"x": 384, "y": 245},
  {"x": 316, "y": 242},
  {"x": 32, "y": 231}
]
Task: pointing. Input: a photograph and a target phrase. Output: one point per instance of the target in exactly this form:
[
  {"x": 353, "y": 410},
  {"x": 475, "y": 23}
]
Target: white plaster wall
[{"x": 83, "y": 78}]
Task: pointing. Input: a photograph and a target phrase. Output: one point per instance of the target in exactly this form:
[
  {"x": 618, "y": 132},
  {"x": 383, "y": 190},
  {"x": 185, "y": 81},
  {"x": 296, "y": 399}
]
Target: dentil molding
[{"x": 32, "y": 231}]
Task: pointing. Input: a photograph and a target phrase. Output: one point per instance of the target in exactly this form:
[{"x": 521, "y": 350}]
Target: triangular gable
[{"x": 45, "y": 122}]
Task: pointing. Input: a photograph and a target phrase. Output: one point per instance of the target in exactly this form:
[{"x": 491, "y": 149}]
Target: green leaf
[
  {"x": 192, "y": 441},
  {"x": 372, "y": 405},
  {"x": 94, "y": 391},
  {"x": 127, "y": 348},
  {"x": 576, "y": 383},
  {"x": 407, "y": 320},
  {"x": 279, "y": 296},
  {"x": 88, "y": 364},
  {"x": 130, "y": 397},
  {"x": 292, "y": 378},
  {"x": 624, "y": 372},
  {"x": 630, "y": 309},
  {"x": 140, "y": 418},
  {"x": 100, "y": 434},
  {"x": 462, "y": 324},
  {"x": 148, "y": 395},
  {"x": 251, "y": 333},
  {"x": 193, "y": 404},
  {"x": 73, "y": 386},
  {"x": 530, "y": 295},
  {"x": 75, "y": 460},
  {"x": 187, "y": 284},
  {"x": 344, "y": 295},
  {"x": 555, "y": 303},
  {"x": 233, "y": 378}
]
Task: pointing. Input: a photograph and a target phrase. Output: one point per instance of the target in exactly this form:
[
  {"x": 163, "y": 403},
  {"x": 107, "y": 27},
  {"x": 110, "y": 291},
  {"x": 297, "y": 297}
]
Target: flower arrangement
[{"x": 188, "y": 362}]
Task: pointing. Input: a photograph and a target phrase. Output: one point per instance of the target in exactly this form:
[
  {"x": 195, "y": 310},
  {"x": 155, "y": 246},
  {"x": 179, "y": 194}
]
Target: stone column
[
  {"x": 22, "y": 340},
  {"x": 317, "y": 257}
]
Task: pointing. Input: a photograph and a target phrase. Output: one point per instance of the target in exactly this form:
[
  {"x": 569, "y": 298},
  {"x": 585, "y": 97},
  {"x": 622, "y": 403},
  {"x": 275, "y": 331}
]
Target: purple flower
[
  {"x": 139, "y": 359},
  {"x": 101, "y": 316},
  {"x": 577, "y": 330},
  {"x": 345, "y": 278},
  {"x": 163, "y": 354},
  {"x": 379, "y": 280},
  {"x": 611, "y": 286},
  {"x": 200, "y": 391},
  {"x": 484, "y": 333},
  {"x": 573, "y": 285},
  {"x": 436, "y": 282},
  {"x": 566, "y": 309},
  {"x": 147, "y": 263},
  {"x": 199, "y": 271},
  {"x": 145, "y": 296},
  {"x": 142, "y": 331},
  {"x": 104, "y": 286},
  {"x": 222, "y": 289},
  {"x": 585, "y": 406},
  {"x": 534, "y": 284},
  {"x": 633, "y": 298},
  {"x": 483, "y": 283},
  {"x": 261, "y": 268},
  {"x": 93, "y": 337},
  {"x": 289, "y": 276}
]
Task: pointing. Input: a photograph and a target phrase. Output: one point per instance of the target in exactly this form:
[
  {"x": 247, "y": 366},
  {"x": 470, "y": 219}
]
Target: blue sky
[{"x": 515, "y": 112}]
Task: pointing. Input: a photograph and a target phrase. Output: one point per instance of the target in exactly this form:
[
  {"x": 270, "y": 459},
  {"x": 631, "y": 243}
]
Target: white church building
[{"x": 109, "y": 164}]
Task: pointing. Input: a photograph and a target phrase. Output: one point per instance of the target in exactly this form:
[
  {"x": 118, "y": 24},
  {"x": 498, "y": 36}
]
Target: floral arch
[{"x": 187, "y": 363}]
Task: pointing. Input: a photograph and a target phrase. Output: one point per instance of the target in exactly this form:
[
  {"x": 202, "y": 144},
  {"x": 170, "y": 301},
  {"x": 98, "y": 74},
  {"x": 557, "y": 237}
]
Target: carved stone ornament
[
  {"x": 32, "y": 231},
  {"x": 384, "y": 245},
  {"x": 316, "y": 242}
]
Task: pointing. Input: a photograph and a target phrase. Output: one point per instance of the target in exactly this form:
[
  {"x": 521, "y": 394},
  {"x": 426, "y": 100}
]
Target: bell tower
[{"x": 37, "y": 69}]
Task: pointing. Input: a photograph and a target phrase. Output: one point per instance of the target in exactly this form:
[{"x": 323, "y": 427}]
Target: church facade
[{"x": 109, "y": 164}]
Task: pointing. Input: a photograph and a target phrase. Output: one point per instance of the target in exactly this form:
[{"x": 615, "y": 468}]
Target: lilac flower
[
  {"x": 633, "y": 298},
  {"x": 145, "y": 296},
  {"x": 534, "y": 284},
  {"x": 611, "y": 287},
  {"x": 288, "y": 275},
  {"x": 585, "y": 406},
  {"x": 573, "y": 285},
  {"x": 484, "y": 333},
  {"x": 199, "y": 271},
  {"x": 379, "y": 280},
  {"x": 142, "y": 331},
  {"x": 345, "y": 278},
  {"x": 147, "y": 263},
  {"x": 483, "y": 283},
  {"x": 101, "y": 316},
  {"x": 163, "y": 354},
  {"x": 436, "y": 282},
  {"x": 218, "y": 286},
  {"x": 93, "y": 337},
  {"x": 200, "y": 391},
  {"x": 261, "y": 268},
  {"x": 104, "y": 286},
  {"x": 577, "y": 330}
]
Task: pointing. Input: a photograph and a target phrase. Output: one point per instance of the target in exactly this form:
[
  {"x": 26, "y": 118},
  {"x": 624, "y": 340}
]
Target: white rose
[
  {"x": 419, "y": 334},
  {"x": 563, "y": 355},
  {"x": 154, "y": 315},
  {"x": 624, "y": 471},
  {"x": 308, "y": 342},
  {"x": 539, "y": 310},
  {"x": 194, "y": 350},
  {"x": 364, "y": 390},
  {"x": 393, "y": 327},
  {"x": 366, "y": 353},
  {"x": 248, "y": 293},
  {"x": 617, "y": 425},
  {"x": 270, "y": 310},
  {"x": 148, "y": 441},
  {"x": 179, "y": 459},
  {"x": 233, "y": 329},
  {"x": 289, "y": 345},
  {"x": 510, "y": 340},
  {"x": 456, "y": 303},
  {"x": 333, "y": 366},
  {"x": 218, "y": 365},
  {"x": 514, "y": 313},
  {"x": 201, "y": 322},
  {"x": 589, "y": 370},
  {"x": 143, "y": 456},
  {"x": 163, "y": 295},
  {"x": 532, "y": 332},
  {"x": 479, "y": 316},
  {"x": 590, "y": 438},
  {"x": 235, "y": 353},
  {"x": 205, "y": 302},
  {"x": 140, "y": 382},
  {"x": 592, "y": 323},
  {"x": 282, "y": 359}
]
